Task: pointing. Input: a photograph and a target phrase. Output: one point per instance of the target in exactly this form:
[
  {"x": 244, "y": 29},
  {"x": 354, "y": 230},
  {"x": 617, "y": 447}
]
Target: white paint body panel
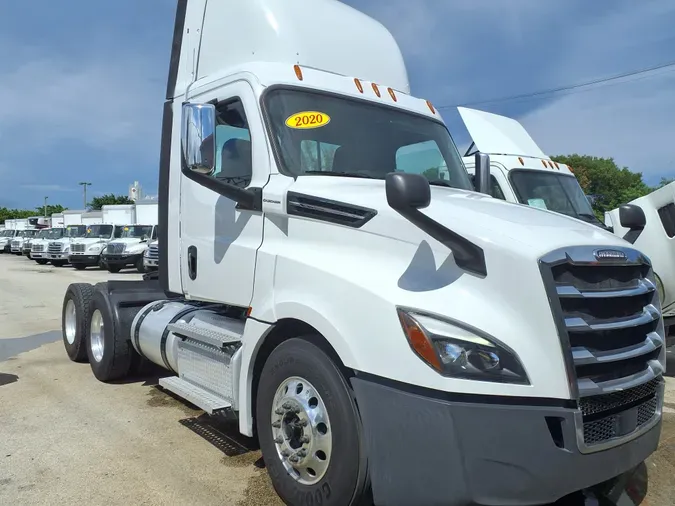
[
  {"x": 92, "y": 218},
  {"x": 72, "y": 218},
  {"x": 57, "y": 220},
  {"x": 121, "y": 214},
  {"x": 654, "y": 240},
  {"x": 146, "y": 213}
]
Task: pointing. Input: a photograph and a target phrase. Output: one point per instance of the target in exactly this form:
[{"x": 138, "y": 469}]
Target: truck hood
[
  {"x": 129, "y": 241},
  {"x": 488, "y": 222},
  {"x": 499, "y": 135},
  {"x": 89, "y": 241}
]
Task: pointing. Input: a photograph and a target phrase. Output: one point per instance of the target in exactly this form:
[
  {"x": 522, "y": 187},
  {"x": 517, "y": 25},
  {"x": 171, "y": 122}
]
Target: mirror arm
[
  {"x": 467, "y": 255},
  {"x": 247, "y": 198}
]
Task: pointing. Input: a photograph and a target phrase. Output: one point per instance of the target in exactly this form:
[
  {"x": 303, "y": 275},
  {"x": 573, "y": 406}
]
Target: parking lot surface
[{"x": 66, "y": 438}]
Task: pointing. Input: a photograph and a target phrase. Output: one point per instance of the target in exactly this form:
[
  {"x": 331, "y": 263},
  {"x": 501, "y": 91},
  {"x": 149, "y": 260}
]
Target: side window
[
  {"x": 667, "y": 215},
  {"x": 118, "y": 232},
  {"x": 234, "y": 163},
  {"x": 316, "y": 156},
  {"x": 154, "y": 232},
  {"x": 422, "y": 158},
  {"x": 495, "y": 189}
]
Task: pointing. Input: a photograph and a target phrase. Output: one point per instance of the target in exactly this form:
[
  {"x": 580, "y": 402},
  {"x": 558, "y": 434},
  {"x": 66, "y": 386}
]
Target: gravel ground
[{"x": 66, "y": 438}]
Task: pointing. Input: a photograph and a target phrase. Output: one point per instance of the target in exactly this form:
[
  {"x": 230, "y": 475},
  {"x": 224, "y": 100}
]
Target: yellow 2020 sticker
[{"x": 308, "y": 119}]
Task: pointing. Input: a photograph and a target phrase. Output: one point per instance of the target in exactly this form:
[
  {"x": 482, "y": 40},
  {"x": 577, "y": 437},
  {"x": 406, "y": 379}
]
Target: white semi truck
[
  {"x": 16, "y": 244},
  {"x": 57, "y": 250},
  {"x": 129, "y": 248},
  {"x": 151, "y": 257},
  {"x": 657, "y": 240},
  {"x": 111, "y": 220},
  {"x": 385, "y": 336}
]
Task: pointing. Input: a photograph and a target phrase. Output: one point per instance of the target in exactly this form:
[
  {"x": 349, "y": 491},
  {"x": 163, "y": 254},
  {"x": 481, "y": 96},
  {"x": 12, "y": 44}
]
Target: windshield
[
  {"x": 322, "y": 134},
  {"x": 55, "y": 233},
  {"x": 137, "y": 231},
  {"x": 99, "y": 231},
  {"x": 77, "y": 230},
  {"x": 553, "y": 191},
  {"x": 25, "y": 233}
]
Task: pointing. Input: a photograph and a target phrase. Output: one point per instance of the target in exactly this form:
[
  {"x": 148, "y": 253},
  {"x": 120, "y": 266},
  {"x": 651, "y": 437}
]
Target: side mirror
[
  {"x": 197, "y": 137},
  {"x": 632, "y": 217},
  {"x": 407, "y": 191},
  {"x": 482, "y": 177}
]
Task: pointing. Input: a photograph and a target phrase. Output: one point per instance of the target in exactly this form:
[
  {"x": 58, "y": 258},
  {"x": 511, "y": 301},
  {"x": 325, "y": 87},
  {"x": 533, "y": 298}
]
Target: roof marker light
[
  {"x": 392, "y": 94},
  {"x": 431, "y": 107},
  {"x": 543, "y": 162},
  {"x": 358, "y": 84},
  {"x": 520, "y": 159},
  {"x": 298, "y": 72},
  {"x": 556, "y": 165},
  {"x": 376, "y": 90}
]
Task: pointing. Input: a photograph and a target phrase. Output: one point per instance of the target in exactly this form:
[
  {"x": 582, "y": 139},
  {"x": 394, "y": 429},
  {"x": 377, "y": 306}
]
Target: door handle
[{"x": 192, "y": 262}]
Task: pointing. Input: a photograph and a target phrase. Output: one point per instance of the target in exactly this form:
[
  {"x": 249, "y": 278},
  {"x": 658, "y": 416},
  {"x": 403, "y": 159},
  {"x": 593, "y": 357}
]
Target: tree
[
  {"x": 665, "y": 181},
  {"x": 51, "y": 209},
  {"x": 602, "y": 177},
  {"x": 108, "y": 200}
]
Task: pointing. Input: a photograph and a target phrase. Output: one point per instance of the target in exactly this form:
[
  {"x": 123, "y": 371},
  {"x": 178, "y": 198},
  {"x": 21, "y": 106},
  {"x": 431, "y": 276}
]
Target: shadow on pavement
[{"x": 12, "y": 347}]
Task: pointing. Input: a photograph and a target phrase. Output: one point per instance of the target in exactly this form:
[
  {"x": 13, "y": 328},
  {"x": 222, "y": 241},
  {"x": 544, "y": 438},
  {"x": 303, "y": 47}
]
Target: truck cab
[
  {"x": 151, "y": 257},
  {"x": 6, "y": 237},
  {"x": 40, "y": 244},
  {"x": 129, "y": 248},
  {"x": 86, "y": 251},
  {"x": 520, "y": 172},
  {"x": 58, "y": 249},
  {"x": 16, "y": 244},
  {"x": 387, "y": 335}
]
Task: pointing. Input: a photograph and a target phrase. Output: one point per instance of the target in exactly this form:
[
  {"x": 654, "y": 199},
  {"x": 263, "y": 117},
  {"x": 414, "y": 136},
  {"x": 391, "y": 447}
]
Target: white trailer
[
  {"x": 388, "y": 338},
  {"x": 72, "y": 217},
  {"x": 92, "y": 218},
  {"x": 119, "y": 214},
  {"x": 146, "y": 212},
  {"x": 58, "y": 220}
]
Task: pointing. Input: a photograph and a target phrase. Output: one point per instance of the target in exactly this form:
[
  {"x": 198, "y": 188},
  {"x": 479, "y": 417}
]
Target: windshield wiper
[{"x": 333, "y": 173}]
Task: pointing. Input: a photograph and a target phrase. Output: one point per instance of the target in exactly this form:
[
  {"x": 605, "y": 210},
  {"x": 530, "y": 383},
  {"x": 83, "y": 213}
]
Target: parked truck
[
  {"x": 129, "y": 249},
  {"x": 58, "y": 248},
  {"x": 386, "y": 335},
  {"x": 110, "y": 222},
  {"x": 657, "y": 240},
  {"x": 16, "y": 244},
  {"x": 151, "y": 257}
]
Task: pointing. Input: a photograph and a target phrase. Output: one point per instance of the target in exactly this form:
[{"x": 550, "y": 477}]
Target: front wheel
[
  {"x": 41, "y": 261},
  {"x": 114, "y": 269},
  {"x": 310, "y": 429},
  {"x": 140, "y": 267},
  {"x": 80, "y": 267}
]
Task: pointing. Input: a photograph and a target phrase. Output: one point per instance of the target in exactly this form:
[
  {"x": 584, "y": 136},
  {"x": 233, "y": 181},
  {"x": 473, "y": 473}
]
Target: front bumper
[
  {"x": 56, "y": 256},
  {"x": 16, "y": 249},
  {"x": 150, "y": 262},
  {"x": 84, "y": 259},
  {"x": 121, "y": 259},
  {"x": 34, "y": 255},
  {"x": 430, "y": 451}
]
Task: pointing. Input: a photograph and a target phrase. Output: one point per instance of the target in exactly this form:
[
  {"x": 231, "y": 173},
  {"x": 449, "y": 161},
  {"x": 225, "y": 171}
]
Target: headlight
[
  {"x": 458, "y": 352},
  {"x": 95, "y": 248}
]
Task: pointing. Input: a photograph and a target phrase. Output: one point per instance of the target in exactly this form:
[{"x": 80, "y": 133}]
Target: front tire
[
  {"x": 80, "y": 267},
  {"x": 41, "y": 261},
  {"x": 309, "y": 428},
  {"x": 114, "y": 269},
  {"x": 75, "y": 320}
]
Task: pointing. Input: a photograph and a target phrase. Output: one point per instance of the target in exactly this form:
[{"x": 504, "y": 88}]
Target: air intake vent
[{"x": 331, "y": 211}]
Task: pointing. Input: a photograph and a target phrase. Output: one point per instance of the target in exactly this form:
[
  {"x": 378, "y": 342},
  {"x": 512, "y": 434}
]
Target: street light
[
  {"x": 84, "y": 187},
  {"x": 46, "y": 206}
]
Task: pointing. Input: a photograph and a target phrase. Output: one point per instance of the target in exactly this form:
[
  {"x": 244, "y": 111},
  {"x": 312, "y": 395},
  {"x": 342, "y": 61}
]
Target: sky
[{"x": 82, "y": 83}]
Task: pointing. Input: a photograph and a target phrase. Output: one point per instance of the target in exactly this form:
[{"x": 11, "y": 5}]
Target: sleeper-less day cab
[{"x": 384, "y": 336}]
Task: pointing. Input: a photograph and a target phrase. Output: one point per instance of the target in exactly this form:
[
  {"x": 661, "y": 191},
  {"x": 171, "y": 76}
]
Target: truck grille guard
[{"x": 608, "y": 315}]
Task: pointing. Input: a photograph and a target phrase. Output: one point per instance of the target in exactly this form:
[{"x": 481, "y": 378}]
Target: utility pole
[
  {"x": 84, "y": 186},
  {"x": 46, "y": 206}
]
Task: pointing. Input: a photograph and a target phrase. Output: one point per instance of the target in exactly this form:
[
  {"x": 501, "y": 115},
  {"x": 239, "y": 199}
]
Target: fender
[{"x": 255, "y": 334}]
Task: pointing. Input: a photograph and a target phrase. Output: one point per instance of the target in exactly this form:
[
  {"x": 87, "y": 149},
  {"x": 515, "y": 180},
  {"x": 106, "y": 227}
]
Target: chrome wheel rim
[
  {"x": 301, "y": 430},
  {"x": 96, "y": 335},
  {"x": 70, "y": 321}
]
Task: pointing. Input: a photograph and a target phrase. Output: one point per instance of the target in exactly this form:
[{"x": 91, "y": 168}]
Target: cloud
[
  {"x": 48, "y": 187},
  {"x": 629, "y": 119},
  {"x": 103, "y": 104}
]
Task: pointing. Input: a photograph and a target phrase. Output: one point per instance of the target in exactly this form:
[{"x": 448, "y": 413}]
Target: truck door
[{"x": 219, "y": 240}]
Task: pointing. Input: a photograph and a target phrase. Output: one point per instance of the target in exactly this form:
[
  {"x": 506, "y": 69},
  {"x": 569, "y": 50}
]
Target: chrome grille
[
  {"x": 153, "y": 252},
  {"x": 609, "y": 321},
  {"x": 78, "y": 248},
  {"x": 55, "y": 247},
  {"x": 15, "y": 243},
  {"x": 38, "y": 248},
  {"x": 115, "y": 249}
]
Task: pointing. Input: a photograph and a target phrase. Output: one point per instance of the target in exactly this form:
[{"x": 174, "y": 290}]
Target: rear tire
[
  {"x": 75, "y": 320},
  {"x": 110, "y": 351},
  {"x": 331, "y": 473}
]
